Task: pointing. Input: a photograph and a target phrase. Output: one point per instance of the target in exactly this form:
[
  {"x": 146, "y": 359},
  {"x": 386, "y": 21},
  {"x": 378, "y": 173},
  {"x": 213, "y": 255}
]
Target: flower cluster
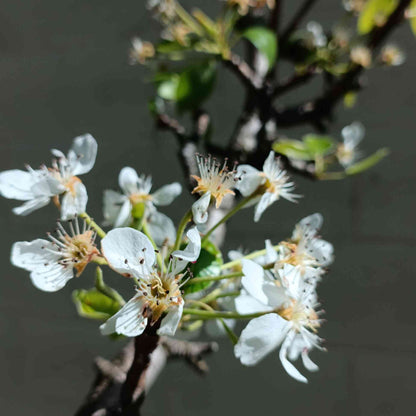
[{"x": 179, "y": 278}]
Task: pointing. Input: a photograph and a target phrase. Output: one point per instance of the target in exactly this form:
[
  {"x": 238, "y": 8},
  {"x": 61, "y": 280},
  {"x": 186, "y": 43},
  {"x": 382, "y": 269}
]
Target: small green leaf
[
  {"x": 374, "y": 13},
  {"x": 208, "y": 264},
  {"x": 264, "y": 40},
  {"x": 293, "y": 149},
  {"x": 94, "y": 304},
  {"x": 368, "y": 162},
  {"x": 318, "y": 145},
  {"x": 196, "y": 84}
]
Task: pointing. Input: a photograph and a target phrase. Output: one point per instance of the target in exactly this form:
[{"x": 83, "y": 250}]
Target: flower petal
[
  {"x": 191, "y": 252},
  {"x": 245, "y": 304},
  {"x": 171, "y": 321},
  {"x": 81, "y": 156},
  {"x": 32, "y": 205},
  {"x": 161, "y": 228},
  {"x": 129, "y": 252},
  {"x": 74, "y": 203},
  {"x": 270, "y": 164},
  {"x": 250, "y": 179},
  {"x": 36, "y": 256},
  {"x": 128, "y": 180},
  {"x": 253, "y": 280},
  {"x": 266, "y": 200},
  {"x": 128, "y": 321},
  {"x": 166, "y": 194},
  {"x": 16, "y": 184},
  {"x": 287, "y": 365},
  {"x": 307, "y": 362},
  {"x": 124, "y": 217},
  {"x": 200, "y": 208},
  {"x": 112, "y": 203},
  {"x": 261, "y": 336}
]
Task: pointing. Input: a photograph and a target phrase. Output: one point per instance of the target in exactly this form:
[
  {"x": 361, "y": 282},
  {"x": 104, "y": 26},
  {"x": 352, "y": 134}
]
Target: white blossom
[
  {"x": 306, "y": 250},
  {"x": 347, "y": 152},
  {"x": 215, "y": 182},
  {"x": 51, "y": 263},
  {"x": 130, "y": 253},
  {"x": 272, "y": 183},
  {"x": 136, "y": 190},
  {"x": 291, "y": 323},
  {"x": 37, "y": 187}
]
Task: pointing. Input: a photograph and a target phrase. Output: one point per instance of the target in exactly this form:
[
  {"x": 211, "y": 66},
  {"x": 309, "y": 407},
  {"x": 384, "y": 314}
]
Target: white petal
[
  {"x": 261, "y": 336},
  {"x": 161, "y": 228},
  {"x": 128, "y": 321},
  {"x": 81, "y": 156},
  {"x": 16, "y": 184},
  {"x": 74, "y": 203},
  {"x": 353, "y": 134},
  {"x": 124, "y": 217},
  {"x": 266, "y": 200},
  {"x": 253, "y": 280},
  {"x": 128, "y": 180},
  {"x": 166, "y": 194},
  {"x": 200, "y": 208},
  {"x": 312, "y": 222},
  {"x": 270, "y": 164},
  {"x": 128, "y": 251},
  {"x": 245, "y": 304},
  {"x": 112, "y": 203},
  {"x": 307, "y": 362},
  {"x": 171, "y": 321},
  {"x": 250, "y": 179},
  {"x": 191, "y": 252},
  {"x": 287, "y": 365},
  {"x": 322, "y": 250},
  {"x": 32, "y": 205},
  {"x": 271, "y": 254},
  {"x": 46, "y": 273}
]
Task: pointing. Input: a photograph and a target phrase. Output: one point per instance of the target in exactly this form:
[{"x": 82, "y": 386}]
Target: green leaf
[
  {"x": 368, "y": 162},
  {"x": 208, "y": 264},
  {"x": 190, "y": 87},
  {"x": 374, "y": 13},
  {"x": 264, "y": 40},
  {"x": 293, "y": 149},
  {"x": 94, "y": 304},
  {"x": 317, "y": 145},
  {"x": 196, "y": 84}
]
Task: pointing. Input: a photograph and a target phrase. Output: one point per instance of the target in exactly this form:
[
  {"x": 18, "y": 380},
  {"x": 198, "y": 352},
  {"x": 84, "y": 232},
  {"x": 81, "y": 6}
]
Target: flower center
[
  {"x": 216, "y": 179},
  {"x": 77, "y": 249},
  {"x": 300, "y": 315},
  {"x": 161, "y": 292},
  {"x": 139, "y": 197}
]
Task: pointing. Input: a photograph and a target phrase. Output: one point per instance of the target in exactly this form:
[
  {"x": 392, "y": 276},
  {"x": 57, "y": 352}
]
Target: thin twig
[{"x": 297, "y": 18}]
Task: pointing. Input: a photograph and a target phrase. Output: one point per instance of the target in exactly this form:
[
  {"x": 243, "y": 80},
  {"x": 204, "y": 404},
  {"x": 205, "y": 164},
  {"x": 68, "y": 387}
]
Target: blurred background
[{"x": 64, "y": 71}]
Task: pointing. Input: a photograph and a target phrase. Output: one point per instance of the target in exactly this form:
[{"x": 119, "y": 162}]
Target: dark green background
[{"x": 64, "y": 71}]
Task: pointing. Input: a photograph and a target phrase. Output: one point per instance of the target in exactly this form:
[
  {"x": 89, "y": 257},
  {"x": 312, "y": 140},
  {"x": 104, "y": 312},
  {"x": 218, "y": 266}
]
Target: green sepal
[
  {"x": 208, "y": 264},
  {"x": 93, "y": 304}
]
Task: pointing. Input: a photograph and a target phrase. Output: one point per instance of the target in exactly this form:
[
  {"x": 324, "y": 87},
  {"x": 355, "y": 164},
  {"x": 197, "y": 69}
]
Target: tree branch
[
  {"x": 243, "y": 72},
  {"x": 315, "y": 111},
  {"x": 297, "y": 18},
  {"x": 103, "y": 398}
]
